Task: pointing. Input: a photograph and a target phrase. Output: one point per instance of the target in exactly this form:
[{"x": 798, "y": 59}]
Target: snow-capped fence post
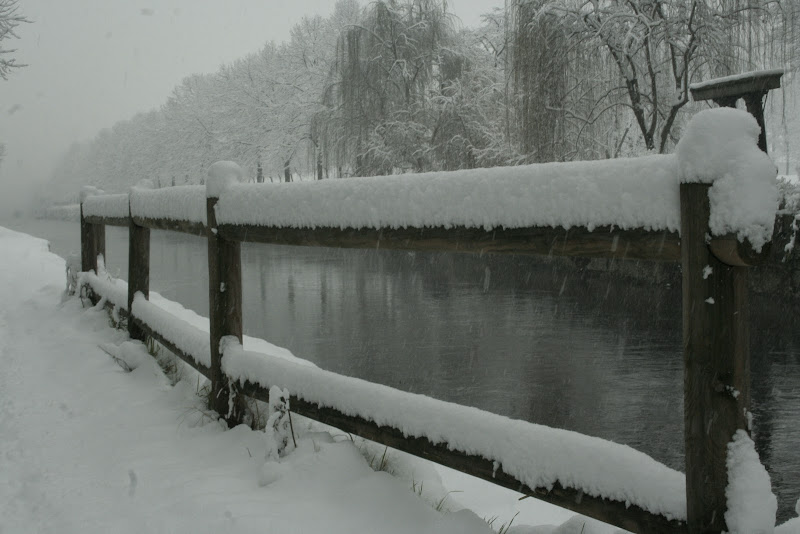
[
  {"x": 138, "y": 270},
  {"x": 727, "y": 207},
  {"x": 224, "y": 292}
]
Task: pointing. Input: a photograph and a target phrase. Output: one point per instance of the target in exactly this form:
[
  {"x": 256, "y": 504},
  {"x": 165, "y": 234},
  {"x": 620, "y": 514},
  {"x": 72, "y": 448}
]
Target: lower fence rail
[{"x": 623, "y": 515}]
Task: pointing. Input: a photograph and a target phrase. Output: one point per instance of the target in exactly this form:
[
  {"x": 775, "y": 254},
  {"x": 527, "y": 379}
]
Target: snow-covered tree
[
  {"x": 10, "y": 18},
  {"x": 658, "y": 47},
  {"x": 377, "y": 118},
  {"x": 397, "y": 86}
]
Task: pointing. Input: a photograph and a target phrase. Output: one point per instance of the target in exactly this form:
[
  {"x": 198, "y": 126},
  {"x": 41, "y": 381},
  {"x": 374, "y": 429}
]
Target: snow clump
[
  {"x": 220, "y": 175},
  {"x": 752, "y": 506},
  {"x": 89, "y": 191},
  {"x": 720, "y": 147}
]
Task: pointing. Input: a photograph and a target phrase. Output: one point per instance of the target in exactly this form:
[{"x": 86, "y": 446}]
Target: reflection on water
[{"x": 516, "y": 336}]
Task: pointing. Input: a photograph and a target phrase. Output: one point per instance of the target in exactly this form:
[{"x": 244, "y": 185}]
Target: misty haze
[{"x": 446, "y": 266}]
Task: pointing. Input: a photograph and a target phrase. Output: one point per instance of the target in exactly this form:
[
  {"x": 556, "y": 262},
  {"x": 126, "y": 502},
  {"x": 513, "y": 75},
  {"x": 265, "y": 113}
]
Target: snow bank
[
  {"x": 106, "y": 205},
  {"x": 719, "y": 147},
  {"x": 537, "y": 455},
  {"x": 221, "y": 175},
  {"x": 627, "y": 193},
  {"x": 751, "y": 503},
  {"x": 179, "y": 203},
  {"x": 189, "y": 339}
]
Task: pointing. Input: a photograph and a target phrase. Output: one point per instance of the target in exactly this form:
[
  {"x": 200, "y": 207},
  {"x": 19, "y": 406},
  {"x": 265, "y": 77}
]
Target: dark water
[{"x": 523, "y": 337}]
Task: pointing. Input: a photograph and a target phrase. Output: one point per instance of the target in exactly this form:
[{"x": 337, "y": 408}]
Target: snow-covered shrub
[
  {"x": 73, "y": 267},
  {"x": 278, "y": 432}
]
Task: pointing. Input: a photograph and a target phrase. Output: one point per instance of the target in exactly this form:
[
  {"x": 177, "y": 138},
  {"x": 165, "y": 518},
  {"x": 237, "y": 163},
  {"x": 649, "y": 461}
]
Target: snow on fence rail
[{"x": 711, "y": 207}]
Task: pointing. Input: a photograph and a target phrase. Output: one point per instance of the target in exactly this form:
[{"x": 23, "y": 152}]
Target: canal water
[{"x": 525, "y": 337}]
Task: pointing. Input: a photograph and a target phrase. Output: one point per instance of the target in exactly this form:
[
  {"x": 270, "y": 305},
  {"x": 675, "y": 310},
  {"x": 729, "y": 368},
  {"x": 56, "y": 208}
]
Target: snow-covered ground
[{"x": 88, "y": 447}]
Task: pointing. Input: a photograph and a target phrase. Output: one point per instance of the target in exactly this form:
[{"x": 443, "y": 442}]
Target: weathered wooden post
[
  {"x": 93, "y": 242},
  {"x": 138, "y": 270},
  {"x": 716, "y": 362},
  {"x": 752, "y": 87},
  {"x": 87, "y": 245},
  {"x": 224, "y": 300}
]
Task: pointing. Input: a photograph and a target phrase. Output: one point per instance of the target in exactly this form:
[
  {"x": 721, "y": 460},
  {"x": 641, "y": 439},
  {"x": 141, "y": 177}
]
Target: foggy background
[{"x": 94, "y": 62}]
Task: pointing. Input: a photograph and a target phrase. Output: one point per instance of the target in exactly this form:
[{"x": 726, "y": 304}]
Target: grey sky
[{"x": 94, "y": 62}]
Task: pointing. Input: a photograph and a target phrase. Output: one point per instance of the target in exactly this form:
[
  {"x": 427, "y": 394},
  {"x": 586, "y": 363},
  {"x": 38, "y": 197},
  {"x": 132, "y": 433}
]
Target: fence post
[
  {"x": 716, "y": 358},
  {"x": 225, "y": 312},
  {"x": 138, "y": 269},
  {"x": 93, "y": 243}
]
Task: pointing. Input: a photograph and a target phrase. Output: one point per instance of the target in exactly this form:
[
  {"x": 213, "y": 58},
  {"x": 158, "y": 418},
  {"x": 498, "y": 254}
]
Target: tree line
[
  {"x": 10, "y": 18},
  {"x": 399, "y": 86}
]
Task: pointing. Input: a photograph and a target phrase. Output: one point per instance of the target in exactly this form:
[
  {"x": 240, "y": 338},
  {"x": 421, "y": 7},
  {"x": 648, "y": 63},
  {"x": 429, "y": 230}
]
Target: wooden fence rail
[{"x": 716, "y": 359}]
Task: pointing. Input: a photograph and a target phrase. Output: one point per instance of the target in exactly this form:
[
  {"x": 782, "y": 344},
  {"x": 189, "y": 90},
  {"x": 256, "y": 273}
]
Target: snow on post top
[
  {"x": 719, "y": 147},
  {"x": 89, "y": 191},
  {"x": 220, "y": 175},
  {"x": 718, "y": 141}
]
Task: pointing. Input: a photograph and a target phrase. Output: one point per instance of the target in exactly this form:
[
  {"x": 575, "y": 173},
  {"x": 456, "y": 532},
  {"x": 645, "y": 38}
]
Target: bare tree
[
  {"x": 658, "y": 47},
  {"x": 10, "y": 18}
]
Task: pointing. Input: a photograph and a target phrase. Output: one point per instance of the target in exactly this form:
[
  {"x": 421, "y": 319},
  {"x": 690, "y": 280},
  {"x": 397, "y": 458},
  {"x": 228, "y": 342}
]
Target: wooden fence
[{"x": 715, "y": 337}]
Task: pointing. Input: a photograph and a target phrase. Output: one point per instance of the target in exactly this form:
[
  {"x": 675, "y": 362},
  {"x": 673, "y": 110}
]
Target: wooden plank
[
  {"x": 737, "y": 86},
  {"x": 716, "y": 363},
  {"x": 602, "y": 242},
  {"x": 622, "y": 515},
  {"x": 138, "y": 270},
  {"x": 225, "y": 311},
  {"x": 108, "y": 221},
  {"x": 188, "y": 358},
  {"x": 186, "y": 227}
]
